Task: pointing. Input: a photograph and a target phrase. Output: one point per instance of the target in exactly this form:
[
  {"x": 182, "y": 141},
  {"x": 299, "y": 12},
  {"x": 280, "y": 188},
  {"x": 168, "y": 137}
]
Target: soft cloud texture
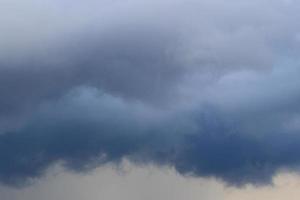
[{"x": 207, "y": 87}]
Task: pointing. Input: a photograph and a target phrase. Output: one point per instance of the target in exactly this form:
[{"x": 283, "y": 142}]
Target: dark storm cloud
[
  {"x": 205, "y": 143},
  {"x": 209, "y": 87}
]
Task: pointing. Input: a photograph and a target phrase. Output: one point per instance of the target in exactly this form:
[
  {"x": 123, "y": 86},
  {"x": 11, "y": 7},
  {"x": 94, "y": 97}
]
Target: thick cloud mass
[
  {"x": 87, "y": 129},
  {"x": 210, "y": 88}
]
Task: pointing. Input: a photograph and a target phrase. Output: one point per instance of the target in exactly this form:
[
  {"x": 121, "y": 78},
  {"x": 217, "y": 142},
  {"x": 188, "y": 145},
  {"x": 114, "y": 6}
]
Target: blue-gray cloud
[
  {"x": 85, "y": 131},
  {"x": 204, "y": 88}
]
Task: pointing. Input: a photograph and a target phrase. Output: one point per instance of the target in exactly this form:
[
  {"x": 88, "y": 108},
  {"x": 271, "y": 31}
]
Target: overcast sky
[{"x": 141, "y": 97}]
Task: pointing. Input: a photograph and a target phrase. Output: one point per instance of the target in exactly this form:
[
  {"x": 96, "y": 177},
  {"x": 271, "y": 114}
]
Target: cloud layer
[{"x": 208, "y": 87}]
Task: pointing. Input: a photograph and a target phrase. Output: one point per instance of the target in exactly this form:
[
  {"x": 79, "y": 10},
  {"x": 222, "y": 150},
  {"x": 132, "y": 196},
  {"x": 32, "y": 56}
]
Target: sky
[{"x": 111, "y": 99}]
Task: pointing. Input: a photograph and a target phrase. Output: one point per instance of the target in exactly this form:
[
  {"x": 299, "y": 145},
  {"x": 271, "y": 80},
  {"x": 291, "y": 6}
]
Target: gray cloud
[
  {"x": 208, "y": 87},
  {"x": 91, "y": 129}
]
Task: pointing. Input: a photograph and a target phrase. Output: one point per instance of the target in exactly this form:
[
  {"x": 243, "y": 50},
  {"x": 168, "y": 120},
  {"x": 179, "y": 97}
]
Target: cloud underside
[
  {"x": 203, "y": 88},
  {"x": 88, "y": 129}
]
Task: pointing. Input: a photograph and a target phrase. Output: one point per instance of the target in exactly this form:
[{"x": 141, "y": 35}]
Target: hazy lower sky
[
  {"x": 147, "y": 183},
  {"x": 160, "y": 99}
]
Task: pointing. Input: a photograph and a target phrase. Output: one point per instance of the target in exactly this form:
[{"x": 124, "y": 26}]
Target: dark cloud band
[
  {"x": 201, "y": 143},
  {"x": 207, "y": 87}
]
